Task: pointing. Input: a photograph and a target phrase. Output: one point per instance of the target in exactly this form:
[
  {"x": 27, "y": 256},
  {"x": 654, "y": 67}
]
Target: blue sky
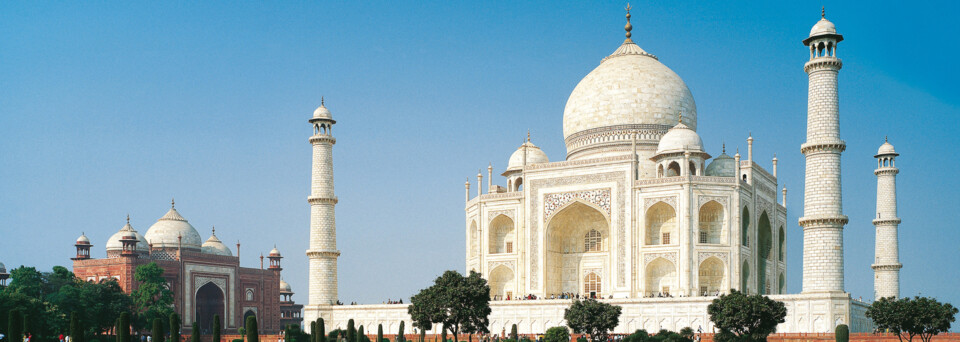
[{"x": 110, "y": 108}]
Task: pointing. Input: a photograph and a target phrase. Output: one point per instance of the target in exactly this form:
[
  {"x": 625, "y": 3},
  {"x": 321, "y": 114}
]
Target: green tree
[
  {"x": 313, "y": 331},
  {"x": 400, "y": 336},
  {"x": 251, "y": 327},
  {"x": 443, "y": 333},
  {"x": 360, "y": 334},
  {"x": 351, "y": 331},
  {"x": 123, "y": 333},
  {"x": 746, "y": 317},
  {"x": 14, "y": 326},
  {"x": 557, "y": 334},
  {"x": 593, "y": 318},
  {"x": 76, "y": 330},
  {"x": 321, "y": 331},
  {"x": 461, "y": 303},
  {"x": 157, "y": 330},
  {"x": 216, "y": 328},
  {"x": 379, "y": 332},
  {"x": 513, "y": 333},
  {"x": 687, "y": 333},
  {"x": 195, "y": 332},
  {"x": 153, "y": 299},
  {"x": 637, "y": 336},
  {"x": 423, "y": 335},
  {"x": 908, "y": 317},
  {"x": 841, "y": 333},
  {"x": 174, "y": 327}
]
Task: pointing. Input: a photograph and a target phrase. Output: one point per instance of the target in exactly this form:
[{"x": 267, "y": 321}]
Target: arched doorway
[
  {"x": 764, "y": 247},
  {"x": 210, "y": 302},
  {"x": 502, "y": 235},
  {"x": 711, "y": 276},
  {"x": 661, "y": 224},
  {"x": 501, "y": 283},
  {"x": 249, "y": 313},
  {"x": 661, "y": 277},
  {"x": 576, "y": 236},
  {"x": 711, "y": 223}
]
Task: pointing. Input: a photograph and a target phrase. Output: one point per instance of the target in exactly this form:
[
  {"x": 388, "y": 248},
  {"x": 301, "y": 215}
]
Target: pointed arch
[
  {"x": 764, "y": 247},
  {"x": 745, "y": 277},
  {"x": 710, "y": 276},
  {"x": 673, "y": 169},
  {"x": 502, "y": 235},
  {"x": 710, "y": 223},
  {"x": 745, "y": 227},
  {"x": 474, "y": 239},
  {"x": 502, "y": 282},
  {"x": 781, "y": 247},
  {"x": 660, "y": 277},
  {"x": 565, "y": 247},
  {"x": 661, "y": 224}
]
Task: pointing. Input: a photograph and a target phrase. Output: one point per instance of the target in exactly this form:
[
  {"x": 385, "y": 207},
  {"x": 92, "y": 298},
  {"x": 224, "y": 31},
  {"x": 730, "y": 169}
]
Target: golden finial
[
  {"x": 528, "y": 135},
  {"x": 724, "y": 148},
  {"x": 128, "y": 218},
  {"x": 885, "y": 138},
  {"x": 823, "y": 12},
  {"x": 628, "y": 27},
  {"x": 213, "y": 231},
  {"x": 321, "y": 101},
  {"x": 680, "y": 118},
  {"x": 172, "y": 204}
]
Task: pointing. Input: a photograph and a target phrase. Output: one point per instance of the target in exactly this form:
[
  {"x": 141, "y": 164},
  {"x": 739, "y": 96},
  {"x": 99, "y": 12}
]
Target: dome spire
[
  {"x": 173, "y": 204},
  {"x": 823, "y": 12},
  {"x": 528, "y": 135},
  {"x": 321, "y": 101},
  {"x": 628, "y": 27}
]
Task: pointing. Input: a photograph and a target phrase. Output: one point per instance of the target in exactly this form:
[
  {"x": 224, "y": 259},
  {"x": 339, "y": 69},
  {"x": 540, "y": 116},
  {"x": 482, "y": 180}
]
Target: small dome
[
  {"x": 822, "y": 27},
  {"x": 114, "y": 244},
  {"x": 534, "y": 155},
  {"x": 165, "y": 233},
  {"x": 3, "y": 268},
  {"x": 274, "y": 252},
  {"x": 322, "y": 112},
  {"x": 83, "y": 240},
  {"x": 284, "y": 287},
  {"x": 886, "y": 148},
  {"x": 213, "y": 245},
  {"x": 680, "y": 138},
  {"x": 722, "y": 166}
]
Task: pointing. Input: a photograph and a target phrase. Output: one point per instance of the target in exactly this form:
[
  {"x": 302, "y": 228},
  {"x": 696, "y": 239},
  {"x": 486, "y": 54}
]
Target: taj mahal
[{"x": 639, "y": 214}]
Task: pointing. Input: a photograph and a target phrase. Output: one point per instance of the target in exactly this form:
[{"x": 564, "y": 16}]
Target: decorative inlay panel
[
  {"x": 618, "y": 208},
  {"x": 200, "y": 281},
  {"x": 553, "y": 202},
  {"x": 512, "y": 265},
  {"x": 723, "y": 200},
  {"x": 720, "y": 255},
  {"x": 506, "y": 212},
  {"x": 648, "y": 202},
  {"x": 670, "y": 256}
]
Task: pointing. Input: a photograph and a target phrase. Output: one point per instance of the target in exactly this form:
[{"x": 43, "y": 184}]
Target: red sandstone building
[{"x": 205, "y": 277}]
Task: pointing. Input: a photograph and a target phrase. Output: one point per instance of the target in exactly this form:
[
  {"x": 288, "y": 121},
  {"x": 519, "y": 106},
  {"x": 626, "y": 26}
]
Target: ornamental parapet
[
  {"x": 686, "y": 179},
  {"x": 322, "y": 200},
  {"x": 323, "y": 254},
  {"x": 823, "y": 221},
  {"x": 887, "y": 267},
  {"x": 502, "y": 195},
  {"x": 884, "y": 222},
  {"x": 323, "y": 138},
  {"x": 578, "y": 162},
  {"x": 823, "y": 63},
  {"x": 886, "y": 171},
  {"x": 830, "y": 146}
]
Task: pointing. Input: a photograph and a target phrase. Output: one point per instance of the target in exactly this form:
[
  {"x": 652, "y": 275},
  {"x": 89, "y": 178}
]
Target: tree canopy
[
  {"x": 461, "y": 304},
  {"x": 750, "y": 318},
  {"x": 593, "y": 318},
  {"x": 909, "y": 317},
  {"x": 154, "y": 298}
]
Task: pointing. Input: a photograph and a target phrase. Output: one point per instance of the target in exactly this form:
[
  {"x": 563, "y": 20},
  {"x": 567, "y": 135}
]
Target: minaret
[
  {"x": 323, "y": 251},
  {"x": 823, "y": 218},
  {"x": 886, "y": 267}
]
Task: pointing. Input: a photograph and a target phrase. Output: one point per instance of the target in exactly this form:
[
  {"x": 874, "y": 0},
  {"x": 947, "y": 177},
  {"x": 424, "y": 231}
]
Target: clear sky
[{"x": 109, "y": 108}]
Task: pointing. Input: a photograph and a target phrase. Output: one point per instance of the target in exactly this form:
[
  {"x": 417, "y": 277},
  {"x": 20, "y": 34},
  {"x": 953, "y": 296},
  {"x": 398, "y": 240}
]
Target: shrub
[
  {"x": 637, "y": 336},
  {"x": 238, "y": 340},
  {"x": 581, "y": 339},
  {"x": 194, "y": 332},
  {"x": 842, "y": 333},
  {"x": 123, "y": 335},
  {"x": 351, "y": 331},
  {"x": 14, "y": 326},
  {"x": 557, "y": 334},
  {"x": 216, "y": 328},
  {"x": 174, "y": 327},
  {"x": 321, "y": 331},
  {"x": 252, "y": 334},
  {"x": 157, "y": 330},
  {"x": 513, "y": 332}
]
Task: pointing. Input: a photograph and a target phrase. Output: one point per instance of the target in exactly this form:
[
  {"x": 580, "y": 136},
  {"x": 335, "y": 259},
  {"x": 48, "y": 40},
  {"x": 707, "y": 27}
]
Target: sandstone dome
[
  {"x": 534, "y": 155},
  {"x": 630, "y": 92},
  {"x": 164, "y": 233},
  {"x": 285, "y": 287},
  {"x": 722, "y": 166},
  {"x": 114, "y": 244},
  {"x": 214, "y": 246},
  {"x": 680, "y": 138}
]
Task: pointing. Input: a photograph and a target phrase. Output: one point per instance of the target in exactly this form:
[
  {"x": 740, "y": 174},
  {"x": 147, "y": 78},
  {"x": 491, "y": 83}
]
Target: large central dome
[{"x": 631, "y": 92}]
